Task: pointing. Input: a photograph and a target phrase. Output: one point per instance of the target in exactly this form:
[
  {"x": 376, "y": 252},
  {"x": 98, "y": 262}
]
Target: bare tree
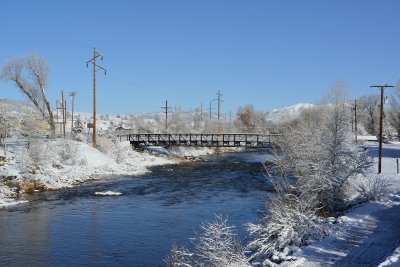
[
  {"x": 370, "y": 107},
  {"x": 30, "y": 73},
  {"x": 250, "y": 120}
]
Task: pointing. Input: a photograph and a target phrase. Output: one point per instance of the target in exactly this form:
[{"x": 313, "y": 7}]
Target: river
[{"x": 73, "y": 227}]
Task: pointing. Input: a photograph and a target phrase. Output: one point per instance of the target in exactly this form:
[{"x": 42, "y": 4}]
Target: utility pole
[
  {"x": 63, "y": 111},
  {"x": 72, "y": 94},
  {"x": 219, "y": 103},
  {"x": 355, "y": 119},
  {"x": 382, "y": 87},
  {"x": 95, "y": 68},
  {"x": 57, "y": 111},
  {"x": 166, "y": 114}
]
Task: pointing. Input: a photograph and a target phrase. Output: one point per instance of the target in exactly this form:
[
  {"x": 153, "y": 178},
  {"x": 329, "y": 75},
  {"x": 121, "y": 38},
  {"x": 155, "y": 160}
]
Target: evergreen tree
[{"x": 78, "y": 126}]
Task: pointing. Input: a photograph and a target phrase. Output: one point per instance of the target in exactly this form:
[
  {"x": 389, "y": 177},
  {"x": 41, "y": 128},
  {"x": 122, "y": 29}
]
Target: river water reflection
[{"x": 75, "y": 228}]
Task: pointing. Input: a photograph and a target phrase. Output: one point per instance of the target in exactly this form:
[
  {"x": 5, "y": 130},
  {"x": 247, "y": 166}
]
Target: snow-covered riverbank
[
  {"x": 66, "y": 163},
  {"x": 367, "y": 235}
]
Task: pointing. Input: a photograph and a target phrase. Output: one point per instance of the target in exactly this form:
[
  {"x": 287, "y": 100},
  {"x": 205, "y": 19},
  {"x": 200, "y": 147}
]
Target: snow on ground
[
  {"x": 368, "y": 235},
  {"x": 367, "y": 138}
]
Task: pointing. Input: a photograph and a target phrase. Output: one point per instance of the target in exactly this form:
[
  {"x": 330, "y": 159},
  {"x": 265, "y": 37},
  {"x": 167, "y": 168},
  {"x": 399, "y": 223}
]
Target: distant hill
[{"x": 289, "y": 112}]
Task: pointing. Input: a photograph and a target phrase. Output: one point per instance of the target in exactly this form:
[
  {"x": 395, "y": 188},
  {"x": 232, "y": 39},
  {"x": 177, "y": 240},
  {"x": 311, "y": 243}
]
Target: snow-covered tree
[
  {"x": 178, "y": 122},
  {"x": 78, "y": 126},
  {"x": 217, "y": 245},
  {"x": 317, "y": 156},
  {"x": 108, "y": 143},
  {"x": 319, "y": 151},
  {"x": 180, "y": 257},
  {"x": 250, "y": 120},
  {"x": 30, "y": 73}
]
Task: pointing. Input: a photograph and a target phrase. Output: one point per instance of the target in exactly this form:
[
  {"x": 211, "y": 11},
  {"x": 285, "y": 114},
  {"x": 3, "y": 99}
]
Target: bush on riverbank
[
  {"x": 310, "y": 173},
  {"x": 216, "y": 245}
]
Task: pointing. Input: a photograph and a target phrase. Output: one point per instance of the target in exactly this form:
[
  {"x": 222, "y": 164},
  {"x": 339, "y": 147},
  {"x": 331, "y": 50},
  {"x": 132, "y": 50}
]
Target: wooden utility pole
[
  {"x": 95, "y": 68},
  {"x": 59, "y": 112},
  {"x": 63, "y": 111},
  {"x": 382, "y": 87},
  {"x": 219, "y": 103},
  {"x": 72, "y": 95},
  {"x": 355, "y": 119},
  {"x": 166, "y": 114}
]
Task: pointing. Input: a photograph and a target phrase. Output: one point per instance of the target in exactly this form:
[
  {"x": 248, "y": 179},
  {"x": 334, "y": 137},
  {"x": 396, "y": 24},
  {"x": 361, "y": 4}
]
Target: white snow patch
[
  {"x": 392, "y": 260},
  {"x": 108, "y": 193}
]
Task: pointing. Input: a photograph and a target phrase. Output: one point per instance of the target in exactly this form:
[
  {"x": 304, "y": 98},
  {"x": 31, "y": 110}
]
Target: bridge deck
[{"x": 205, "y": 140}]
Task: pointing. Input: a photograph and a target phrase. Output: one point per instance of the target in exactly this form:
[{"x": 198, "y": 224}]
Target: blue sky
[{"x": 266, "y": 53}]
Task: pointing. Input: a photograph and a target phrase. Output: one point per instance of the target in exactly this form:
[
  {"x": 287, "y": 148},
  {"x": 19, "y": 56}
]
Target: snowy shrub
[
  {"x": 291, "y": 220},
  {"x": 68, "y": 152},
  {"x": 109, "y": 144},
  {"x": 217, "y": 245},
  {"x": 37, "y": 151},
  {"x": 23, "y": 159},
  {"x": 180, "y": 257},
  {"x": 372, "y": 187},
  {"x": 80, "y": 137}
]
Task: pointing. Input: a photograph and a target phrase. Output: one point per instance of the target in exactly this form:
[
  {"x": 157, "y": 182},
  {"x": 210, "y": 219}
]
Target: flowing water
[{"x": 73, "y": 227}]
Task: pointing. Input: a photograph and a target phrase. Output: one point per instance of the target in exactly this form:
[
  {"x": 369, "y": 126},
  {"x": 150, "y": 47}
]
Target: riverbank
[
  {"x": 53, "y": 165},
  {"x": 366, "y": 235}
]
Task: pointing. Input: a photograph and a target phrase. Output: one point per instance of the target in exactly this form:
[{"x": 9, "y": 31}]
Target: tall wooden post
[
  {"x": 72, "y": 94},
  {"x": 63, "y": 111},
  {"x": 382, "y": 87},
  {"x": 355, "y": 119},
  {"x": 95, "y": 68},
  {"x": 94, "y": 98},
  {"x": 166, "y": 114}
]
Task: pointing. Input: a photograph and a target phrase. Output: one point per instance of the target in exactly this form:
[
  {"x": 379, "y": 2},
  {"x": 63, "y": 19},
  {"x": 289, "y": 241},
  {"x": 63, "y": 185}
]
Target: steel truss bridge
[{"x": 202, "y": 140}]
